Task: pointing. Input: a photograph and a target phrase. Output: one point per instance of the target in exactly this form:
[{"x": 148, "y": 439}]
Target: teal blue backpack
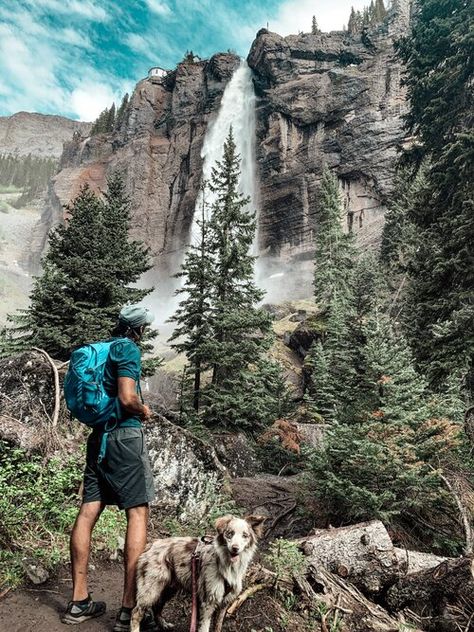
[{"x": 84, "y": 390}]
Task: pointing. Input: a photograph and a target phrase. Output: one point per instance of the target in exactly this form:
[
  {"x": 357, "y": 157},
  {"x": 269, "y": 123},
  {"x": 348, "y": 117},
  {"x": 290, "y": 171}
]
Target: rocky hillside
[
  {"x": 331, "y": 98},
  {"x": 157, "y": 147},
  {"x": 43, "y": 135},
  {"x": 326, "y": 98}
]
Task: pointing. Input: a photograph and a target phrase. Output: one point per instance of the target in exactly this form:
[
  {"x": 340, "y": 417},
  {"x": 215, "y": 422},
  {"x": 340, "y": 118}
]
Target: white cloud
[
  {"x": 73, "y": 38},
  {"x": 159, "y": 7},
  {"x": 89, "y": 99},
  {"x": 30, "y": 67},
  {"x": 294, "y": 16},
  {"x": 86, "y": 9}
]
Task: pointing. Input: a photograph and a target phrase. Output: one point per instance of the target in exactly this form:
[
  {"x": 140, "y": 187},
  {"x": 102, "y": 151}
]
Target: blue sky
[{"x": 74, "y": 57}]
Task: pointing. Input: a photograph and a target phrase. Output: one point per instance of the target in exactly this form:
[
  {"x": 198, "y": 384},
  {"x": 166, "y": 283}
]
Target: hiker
[{"x": 117, "y": 468}]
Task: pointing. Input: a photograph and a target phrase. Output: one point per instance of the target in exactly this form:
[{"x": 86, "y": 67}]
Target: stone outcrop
[
  {"x": 187, "y": 473},
  {"x": 158, "y": 149},
  {"x": 42, "y": 135},
  {"x": 326, "y": 98},
  {"x": 27, "y": 400}
]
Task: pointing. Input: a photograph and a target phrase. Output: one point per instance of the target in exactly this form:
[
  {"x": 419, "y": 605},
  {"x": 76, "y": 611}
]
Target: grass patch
[
  {"x": 9, "y": 188},
  {"x": 38, "y": 506}
]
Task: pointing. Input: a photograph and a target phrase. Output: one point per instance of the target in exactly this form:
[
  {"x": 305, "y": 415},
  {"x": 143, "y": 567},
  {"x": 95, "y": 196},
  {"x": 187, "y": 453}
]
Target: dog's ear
[
  {"x": 222, "y": 522},
  {"x": 256, "y": 522}
]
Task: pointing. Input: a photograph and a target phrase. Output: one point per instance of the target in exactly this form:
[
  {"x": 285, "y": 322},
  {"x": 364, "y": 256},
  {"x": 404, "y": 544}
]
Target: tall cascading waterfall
[{"x": 237, "y": 109}]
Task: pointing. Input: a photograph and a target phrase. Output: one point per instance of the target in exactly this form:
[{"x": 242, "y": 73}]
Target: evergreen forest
[{"x": 370, "y": 524}]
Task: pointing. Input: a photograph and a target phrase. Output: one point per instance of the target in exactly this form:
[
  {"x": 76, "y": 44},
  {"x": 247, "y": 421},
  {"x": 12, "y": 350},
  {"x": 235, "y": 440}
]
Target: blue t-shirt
[{"x": 124, "y": 361}]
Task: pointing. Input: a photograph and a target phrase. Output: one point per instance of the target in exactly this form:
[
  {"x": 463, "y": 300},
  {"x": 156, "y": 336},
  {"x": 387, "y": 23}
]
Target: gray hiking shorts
[{"x": 124, "y": 477}]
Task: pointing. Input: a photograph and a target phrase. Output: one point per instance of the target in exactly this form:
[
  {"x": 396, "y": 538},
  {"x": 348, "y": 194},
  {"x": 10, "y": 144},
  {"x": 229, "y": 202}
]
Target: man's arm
[{"x": 129, "y": 399}]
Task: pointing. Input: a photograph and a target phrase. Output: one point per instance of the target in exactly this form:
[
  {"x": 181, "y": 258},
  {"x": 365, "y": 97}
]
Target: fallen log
[
  {"x": 410, "y": 562},
  {"x": 345, "y": 607},
  {"x": 362, "y": 554},
  {"x": 358, "y": 614},
  {"x": 443, "y": 596}
]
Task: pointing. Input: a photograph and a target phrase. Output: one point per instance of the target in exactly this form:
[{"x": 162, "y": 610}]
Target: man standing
[{"x": 117, "y": 472}]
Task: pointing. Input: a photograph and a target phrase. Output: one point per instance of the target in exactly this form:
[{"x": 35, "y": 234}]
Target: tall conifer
[
  {"x": 439, "y": 81},
  {"x": 87, "y": 274}
]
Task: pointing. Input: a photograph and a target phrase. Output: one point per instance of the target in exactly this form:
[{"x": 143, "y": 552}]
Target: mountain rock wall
[
  {"x": 41, "y": 135},
  {"x": 326, "y": 99},
  {"x": 158, "y": 149}
]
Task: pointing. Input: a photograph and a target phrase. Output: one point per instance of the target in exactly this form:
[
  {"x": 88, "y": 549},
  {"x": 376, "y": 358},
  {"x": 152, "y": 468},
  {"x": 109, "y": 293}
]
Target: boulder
[
  {"x": 36, "y": 573},
  {"x": 312, "y": 434},
  {"x": 27, "y": 399},
  {"x": 330, "y": 99},
  {"x": 236, "y": 453},
  {"x": 187, "y": 473}
]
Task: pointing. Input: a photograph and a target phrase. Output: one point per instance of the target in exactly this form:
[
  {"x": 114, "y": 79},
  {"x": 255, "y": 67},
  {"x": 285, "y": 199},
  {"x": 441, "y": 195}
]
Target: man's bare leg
[
  {"x": 135, "y": 543},
  {"x": 80, "y": 545}
]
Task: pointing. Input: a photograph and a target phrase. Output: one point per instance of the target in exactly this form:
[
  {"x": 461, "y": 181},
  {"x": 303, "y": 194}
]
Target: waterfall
[{"x": 237, "y": 109}]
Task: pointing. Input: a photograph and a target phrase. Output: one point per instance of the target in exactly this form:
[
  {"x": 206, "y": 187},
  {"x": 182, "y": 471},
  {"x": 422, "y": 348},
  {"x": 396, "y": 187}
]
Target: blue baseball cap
[{"x": 136, "y": 316}]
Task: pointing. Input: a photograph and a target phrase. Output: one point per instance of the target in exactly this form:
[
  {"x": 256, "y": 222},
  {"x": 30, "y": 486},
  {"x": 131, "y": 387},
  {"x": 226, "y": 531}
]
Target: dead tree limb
[
  {"x": 468, "y": 534},
  {"x": 445, "y": 593},
  {"x": 57, "y": 401},
  {"x": 251, "y": 590},
  {"x": 361, "y": 553}
]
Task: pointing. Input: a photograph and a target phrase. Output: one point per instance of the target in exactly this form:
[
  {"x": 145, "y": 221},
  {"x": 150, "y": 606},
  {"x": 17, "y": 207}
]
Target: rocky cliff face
[
  {"x": 329, "y": 98},
  {"x": 158, "y": 150},
  {"x": 334, "y": 99},
  {"x": 42, "y": 135}
]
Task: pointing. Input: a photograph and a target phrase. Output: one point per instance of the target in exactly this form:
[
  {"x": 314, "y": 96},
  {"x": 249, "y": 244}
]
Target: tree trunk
[
  {"x": 356, "y": 612},
  {"x": 411, "y": 562},
  {"x": 362, "y": 553},
  {"x": 197, "y": 386},
  {"x": 443, "y": 595}
]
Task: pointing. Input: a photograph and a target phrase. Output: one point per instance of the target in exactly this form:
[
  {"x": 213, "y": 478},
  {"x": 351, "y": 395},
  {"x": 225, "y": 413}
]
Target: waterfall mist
[{"x": 237, "y": 109}]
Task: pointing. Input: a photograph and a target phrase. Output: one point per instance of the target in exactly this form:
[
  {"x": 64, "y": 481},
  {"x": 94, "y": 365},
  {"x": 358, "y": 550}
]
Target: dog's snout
[{"x": 235, "y": 549}]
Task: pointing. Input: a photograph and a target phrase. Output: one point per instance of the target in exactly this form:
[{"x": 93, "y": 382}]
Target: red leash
[
  {"x": 194, "y": 579},
  {"x": 195, "y": 569}
]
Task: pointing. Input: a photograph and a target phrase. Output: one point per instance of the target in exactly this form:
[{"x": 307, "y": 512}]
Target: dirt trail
[{"x": 38, "y": 609}]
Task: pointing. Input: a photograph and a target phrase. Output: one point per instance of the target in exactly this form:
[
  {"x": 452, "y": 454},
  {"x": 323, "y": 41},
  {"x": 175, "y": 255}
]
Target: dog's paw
[{"x": 165, "y": 625}]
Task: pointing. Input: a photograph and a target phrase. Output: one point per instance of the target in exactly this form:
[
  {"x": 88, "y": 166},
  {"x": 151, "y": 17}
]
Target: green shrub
[
  {"x": 285, "y": 558},
  {"x": 38, "y": 505}
]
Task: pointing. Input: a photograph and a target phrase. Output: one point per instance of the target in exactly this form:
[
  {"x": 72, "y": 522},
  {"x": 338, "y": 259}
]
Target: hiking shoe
[
  {"x": 80, "y": 611},
  {"x": 122, "y": 622}
]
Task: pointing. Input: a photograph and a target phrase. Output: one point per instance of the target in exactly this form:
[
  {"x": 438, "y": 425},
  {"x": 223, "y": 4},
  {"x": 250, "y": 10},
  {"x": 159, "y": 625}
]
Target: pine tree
[
  {"x": 241, "y": 329},
  {"x": 352, "y": 24},
  {"x": 380, "y": 11},
  {"x": 219, "y": 326},
  {"x": 236, "y": 295},
  {"x": 110, "y": 123},
  {"x": 314, "y": 26},
  {"x": 439, "y": 85},
  {"x": 193, "y": 317},
  {"x": 365, "y": 17},
  {"x": 87, "y": 273},
  {"x": 122, "y": 111},
  {"x": 399, "y": 238},
  {"x": 372, "y": 18},
  {"x": 334, "y": 253}
]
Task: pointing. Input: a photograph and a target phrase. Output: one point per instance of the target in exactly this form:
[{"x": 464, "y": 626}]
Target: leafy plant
[
  {"x": 285, "y": 558},
  {"x": 38, "y": 506}
]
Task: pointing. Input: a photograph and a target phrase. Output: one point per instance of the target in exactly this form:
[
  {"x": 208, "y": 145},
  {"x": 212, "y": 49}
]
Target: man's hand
[{"x": 146, "y": 413}]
